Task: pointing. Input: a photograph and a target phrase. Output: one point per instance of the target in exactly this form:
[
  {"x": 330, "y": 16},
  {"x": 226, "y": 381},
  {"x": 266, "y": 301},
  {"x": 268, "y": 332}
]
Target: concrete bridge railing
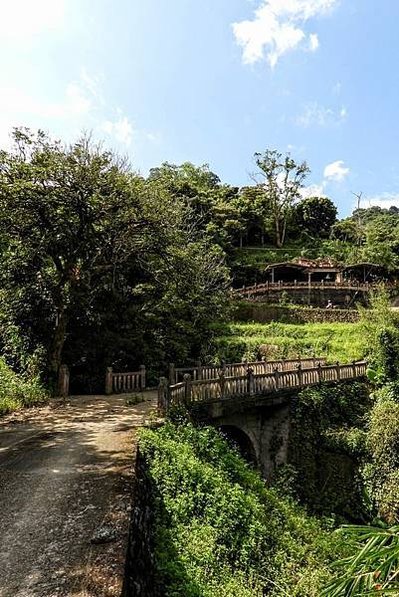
[
  {"x": 223, "y": 387},
  {"x": 211, "y": 372}
]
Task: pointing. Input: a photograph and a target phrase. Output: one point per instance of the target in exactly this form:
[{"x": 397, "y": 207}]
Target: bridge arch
[{"x": 242, "y": 441}]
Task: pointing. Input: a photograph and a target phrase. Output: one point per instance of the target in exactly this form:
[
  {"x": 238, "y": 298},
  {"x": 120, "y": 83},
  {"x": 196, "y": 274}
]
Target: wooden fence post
[
  {"x": 354, "y": 368},
  {"x": 108, "y": 381},
  {"x": 172, "y": 374},
  {"x": 250, "y": 374},
  {"x": 163, "y": 396},
  {"x": 187, "y": 388},
  {"x": 63, "y": 381},
  {"x": 142, "y": 377},
  {"x": 338, "y": 369}
]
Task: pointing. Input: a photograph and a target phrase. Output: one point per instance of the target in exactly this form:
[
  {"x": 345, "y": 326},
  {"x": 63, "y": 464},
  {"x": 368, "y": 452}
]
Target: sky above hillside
[{"x": 213, "y": 82}]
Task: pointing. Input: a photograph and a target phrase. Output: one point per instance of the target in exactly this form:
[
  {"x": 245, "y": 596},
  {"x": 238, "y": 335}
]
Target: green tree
[
  {"x": 316, "y": 215},
  {"x": 214, "y": 205},
  {"x": 280, "y": 179},
  {"x": 97, "y": 261},
  {"x": 196, "y": 185}
]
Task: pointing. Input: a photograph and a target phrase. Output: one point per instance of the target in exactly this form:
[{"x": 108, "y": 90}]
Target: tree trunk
[
  {"x": 58, "y": 341},
  {"x": 278, "y": 236}
]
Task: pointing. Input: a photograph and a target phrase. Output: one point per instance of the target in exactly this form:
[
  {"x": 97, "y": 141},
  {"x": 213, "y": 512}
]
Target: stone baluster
[
  {"x": 338, "y": 370},
  {"x": 172, "y": 374},
  {"x": 108, "y": 381},
  {"x": 142, "y": 377},
  {"x": 187, "y": 388}
]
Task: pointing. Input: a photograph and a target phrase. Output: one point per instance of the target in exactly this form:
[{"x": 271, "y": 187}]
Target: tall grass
[
  {"x": 343, "y": 342},
  {"x": 17, "y": 391}
]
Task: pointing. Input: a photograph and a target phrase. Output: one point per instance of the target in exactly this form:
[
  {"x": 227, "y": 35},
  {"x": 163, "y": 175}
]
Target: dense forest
[{"x": 102, "y": 266}]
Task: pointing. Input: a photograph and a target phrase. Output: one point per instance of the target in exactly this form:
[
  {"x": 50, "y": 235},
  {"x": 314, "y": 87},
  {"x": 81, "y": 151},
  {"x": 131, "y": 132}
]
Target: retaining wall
[{"x": 140, "y": 574}]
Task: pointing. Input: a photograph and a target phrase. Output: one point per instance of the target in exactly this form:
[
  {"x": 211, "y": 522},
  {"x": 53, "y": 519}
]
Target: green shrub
[
  {"x": 382, "y": 474},
  {"x": 220, "y": 531},
  {"x": 17, "y": 391}
]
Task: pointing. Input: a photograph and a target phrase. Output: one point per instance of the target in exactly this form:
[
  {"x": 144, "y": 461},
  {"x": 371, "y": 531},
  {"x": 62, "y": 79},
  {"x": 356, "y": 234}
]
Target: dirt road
[{"x": 65, "y": 481}]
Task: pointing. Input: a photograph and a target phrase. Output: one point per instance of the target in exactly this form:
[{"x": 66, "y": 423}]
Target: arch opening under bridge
[{"x": 241, "y": 441}]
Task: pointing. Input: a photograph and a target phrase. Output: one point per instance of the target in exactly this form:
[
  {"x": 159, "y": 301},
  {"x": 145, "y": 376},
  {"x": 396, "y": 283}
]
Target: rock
[{"x": 104, "y": 535}]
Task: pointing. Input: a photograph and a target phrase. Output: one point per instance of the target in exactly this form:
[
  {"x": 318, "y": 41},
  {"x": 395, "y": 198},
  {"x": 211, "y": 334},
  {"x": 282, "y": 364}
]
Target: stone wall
[
  {"x": 140, "y": 574},
  {"x": 317, "y": 297},
  {"x": 265, "y": 313}
]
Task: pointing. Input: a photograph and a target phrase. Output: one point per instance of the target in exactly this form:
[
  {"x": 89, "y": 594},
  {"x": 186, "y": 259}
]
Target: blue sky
[{"x": 213, "y": 82}]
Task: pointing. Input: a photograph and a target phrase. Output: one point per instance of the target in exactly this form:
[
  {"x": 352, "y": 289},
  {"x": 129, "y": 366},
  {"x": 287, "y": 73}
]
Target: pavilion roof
[{"x": 306, "y": 264}]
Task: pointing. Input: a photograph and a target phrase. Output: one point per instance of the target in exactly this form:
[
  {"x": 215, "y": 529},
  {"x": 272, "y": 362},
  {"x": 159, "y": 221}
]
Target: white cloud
[
  {"x": 25, "y": 18},
  {"x": 121, "y": 129},
  {"x": 385, "y": 200},
  {"x": 336, "y": 171},
  {"x": 81, "y": 105},
  {"x": 313, "y": 190},
  {"x": 313, "y": 42},
  {"x": 278, "y": 27},
  {"x": 315, "y": 114},
  {"x": 16, "y": 103}
]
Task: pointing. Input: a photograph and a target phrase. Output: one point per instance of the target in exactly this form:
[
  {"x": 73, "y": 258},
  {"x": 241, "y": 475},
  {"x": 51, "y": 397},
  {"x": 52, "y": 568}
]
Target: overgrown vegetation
[
  {"x": 328, "y": 438},
  {"x": 101, "y": 266},
  {"x": 336, "y": 341},
  {"x": 17, "y": 391},
  {"x": 220, "y": 531}
]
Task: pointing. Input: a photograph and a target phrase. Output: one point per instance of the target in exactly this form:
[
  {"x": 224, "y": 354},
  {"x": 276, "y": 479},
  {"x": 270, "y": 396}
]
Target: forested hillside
[{"x": 104, "y": 267}]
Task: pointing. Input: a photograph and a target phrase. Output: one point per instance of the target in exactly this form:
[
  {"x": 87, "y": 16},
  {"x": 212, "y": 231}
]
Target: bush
[
  {"x": 382, "y": 474},
  {"x": 220, "y": 531},
  {"x": 17, "y": 391}
]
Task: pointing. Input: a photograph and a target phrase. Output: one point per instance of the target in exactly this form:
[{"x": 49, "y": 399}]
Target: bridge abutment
[{"x": 261, "y": 431}]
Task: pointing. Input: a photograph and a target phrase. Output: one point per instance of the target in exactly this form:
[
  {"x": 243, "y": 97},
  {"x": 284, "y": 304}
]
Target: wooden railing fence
[
  {"x": 256, "y": 289},
  {"x": 208, "y": 372},
  {"x": 192, "y": 390},
  {"x": 125, "y": 382}
]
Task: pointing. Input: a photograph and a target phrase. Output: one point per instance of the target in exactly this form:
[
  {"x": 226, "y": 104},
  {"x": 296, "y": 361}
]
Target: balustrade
[{"x": 307, "y": 372}]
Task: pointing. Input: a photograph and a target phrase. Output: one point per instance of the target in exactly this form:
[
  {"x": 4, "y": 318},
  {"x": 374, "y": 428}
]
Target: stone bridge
[{"x": 252, "y": 405}]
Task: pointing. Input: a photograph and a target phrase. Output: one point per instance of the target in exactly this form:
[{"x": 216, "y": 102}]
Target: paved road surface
[{"x": 65, "y": 479}]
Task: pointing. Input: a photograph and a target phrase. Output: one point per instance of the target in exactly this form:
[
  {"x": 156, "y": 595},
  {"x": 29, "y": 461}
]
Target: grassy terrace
[{"x": 336, "y": 341}]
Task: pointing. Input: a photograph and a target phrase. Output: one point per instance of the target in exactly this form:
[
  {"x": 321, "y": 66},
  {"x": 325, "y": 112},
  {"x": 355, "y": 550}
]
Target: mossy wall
[{"x": 326, "y": 448}]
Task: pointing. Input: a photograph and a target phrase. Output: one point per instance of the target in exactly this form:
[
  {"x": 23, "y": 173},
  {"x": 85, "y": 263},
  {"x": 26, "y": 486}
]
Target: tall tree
[
  {"x": 280, "y": 178},
  {"x": 95, "y": 256},
  {"x": 316, "y": 215}
]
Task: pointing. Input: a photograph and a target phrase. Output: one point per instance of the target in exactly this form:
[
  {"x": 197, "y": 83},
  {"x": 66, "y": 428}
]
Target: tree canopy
[{"x": 98, "y": 263}]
